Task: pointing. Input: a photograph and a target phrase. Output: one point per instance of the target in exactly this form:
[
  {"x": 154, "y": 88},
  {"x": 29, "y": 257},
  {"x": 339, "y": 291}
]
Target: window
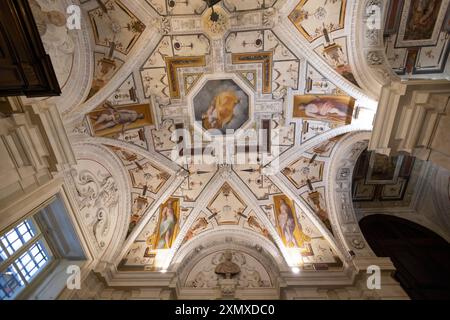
[{"x": 24, "y": 253}]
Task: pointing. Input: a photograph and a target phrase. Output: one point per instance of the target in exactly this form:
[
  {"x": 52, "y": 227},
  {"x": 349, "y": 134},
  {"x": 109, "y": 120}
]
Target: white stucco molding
[
  {"x": 155, "y": 157},
  {"x": 293, "y": 154}
]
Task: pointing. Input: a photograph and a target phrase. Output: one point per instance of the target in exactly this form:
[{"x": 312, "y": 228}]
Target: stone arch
[
  {"x": 367, "y": 47},
  {"x": 441, "y": 192},
  {"x": 339, "y": 194}
]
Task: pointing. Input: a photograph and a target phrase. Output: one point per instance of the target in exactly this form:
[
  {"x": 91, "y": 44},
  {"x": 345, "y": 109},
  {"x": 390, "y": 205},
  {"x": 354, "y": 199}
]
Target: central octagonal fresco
[{"x": 221, "y": 105}]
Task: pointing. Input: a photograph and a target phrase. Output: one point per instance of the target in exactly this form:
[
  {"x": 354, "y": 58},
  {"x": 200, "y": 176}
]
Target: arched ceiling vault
[{"x": 159, "y": 66}]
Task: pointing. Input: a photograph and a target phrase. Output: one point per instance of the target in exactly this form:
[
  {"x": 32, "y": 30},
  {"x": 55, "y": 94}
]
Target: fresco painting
[
  {"x": 221, "y": 105},
  {"x": 109, "y": 120},
  {"x": 422, "y": 19},
  {"x": 288, "y": 227}
]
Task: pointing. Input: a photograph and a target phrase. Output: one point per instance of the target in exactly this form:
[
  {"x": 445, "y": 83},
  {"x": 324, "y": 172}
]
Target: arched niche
[
  {"x": 367, "y": 46},
  {"x": 259, "y": 262}
]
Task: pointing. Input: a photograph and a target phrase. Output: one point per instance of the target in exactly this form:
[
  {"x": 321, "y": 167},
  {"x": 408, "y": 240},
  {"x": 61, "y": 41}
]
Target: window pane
[
  {"x": 27, "y": 237},
  {"x": 22, "y": 228},
  {"x": 34, "y": 251},
  {"x": 12, "y": 236},
  {"x": 16, "y": 245},
  {"x": 26, "y": 259},
  {"x": 18, "y": 236},
  {"x": 32, "y": 261},
  {"x": 10, "y": 284}
]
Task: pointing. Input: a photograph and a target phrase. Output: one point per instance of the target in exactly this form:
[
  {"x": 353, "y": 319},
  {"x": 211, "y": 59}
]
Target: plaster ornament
[
  {"x": 372, "y": 36},
  {"x": 358, "y": 243},
  {"x": 81, "y": 129},
  {"x": 98, "y": 192},
  {"x": 270, "y": 17},
  {"x": 101, "y": 226},
  {"x": 225, "y": 171},
  {"x": 45, "y": 18},
  {"x": 162, "y": 24},
  {"x": 374, "y": 58},
  {"x": 228, "y": 287},
  {"x": 372, "y": 3}
]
